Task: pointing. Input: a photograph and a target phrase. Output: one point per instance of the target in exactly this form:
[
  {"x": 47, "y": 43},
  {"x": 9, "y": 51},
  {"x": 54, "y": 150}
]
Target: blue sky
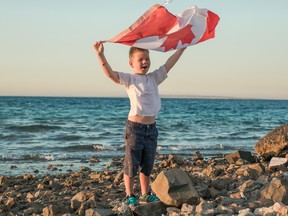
[{"x": 46, "y": 49}]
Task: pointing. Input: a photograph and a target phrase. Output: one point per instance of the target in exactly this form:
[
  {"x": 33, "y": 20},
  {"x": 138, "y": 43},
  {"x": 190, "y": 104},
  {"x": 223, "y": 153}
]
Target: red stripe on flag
[
  {"x": 212, "y": 21},
  {"x": 156, "y": 19}
]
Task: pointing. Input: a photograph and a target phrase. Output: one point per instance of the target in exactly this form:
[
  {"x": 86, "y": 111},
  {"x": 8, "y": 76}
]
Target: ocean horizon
[{"x": 176, "y": 96}]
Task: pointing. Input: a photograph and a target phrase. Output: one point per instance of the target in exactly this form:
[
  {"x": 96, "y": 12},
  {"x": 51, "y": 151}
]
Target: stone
[
  {"x": 245, "y": 212},
  {"x": 10, "y": 202},
  {"x": 280, "y": 208},
  {"x": 27, "y": 176},
  {"x": 119, "y": 176},
  {"x": 79, "y": 198},
  {"x": 277, "y": 162},
  {"x": 99, "y": 212},
  {"x": 150, "y": 209},
  {"x": 274, "y": 191},
  {"x": 240, "y": 162},
  {"x": 30, "y": 198},
  {"x": 221, "y": 183},
  {"x": 29, "y": 211},
  {"x": 94, "y": 160},
  {"x": 262, "y": 179},
  {"x": 1, "y": 181},
  {"x": 174, "y": 160},
  {"x": 189, "y": 209},
  {"x": 253, "y": 171},
  {"x": 213, "y": 192},
  {"x": 198, "y": 156},
  {"x": 227, "y": 201},
  {"x": 40, "y": 186},
  {"x": 49, "y": 211},
  {"x": 213, "y": 171},
  {"x": 223, "y": 210},
  {"x": 244, "y": 155},
  {"x": 95, "y": 175},
  {"x": 275, "y": 143},
  {"x": 264, "y": 211},
  {"x": 55, "y": 186},
  {"x": 175, "y": 187},
  {"x": 205, "y": 208},
  {"x": 173, "y": 211}
]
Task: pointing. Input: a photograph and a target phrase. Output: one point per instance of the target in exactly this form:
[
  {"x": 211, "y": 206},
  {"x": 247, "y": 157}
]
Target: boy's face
[{"x": 140, "y": 62}]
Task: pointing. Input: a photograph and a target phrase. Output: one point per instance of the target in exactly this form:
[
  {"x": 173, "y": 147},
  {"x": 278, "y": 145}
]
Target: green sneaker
[
  {"x": 148, "y": 198},
  {"x": 131, "y": 200}
]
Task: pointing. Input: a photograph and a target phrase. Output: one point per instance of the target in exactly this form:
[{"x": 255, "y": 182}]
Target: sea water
[{"x": 37, "y": 133}]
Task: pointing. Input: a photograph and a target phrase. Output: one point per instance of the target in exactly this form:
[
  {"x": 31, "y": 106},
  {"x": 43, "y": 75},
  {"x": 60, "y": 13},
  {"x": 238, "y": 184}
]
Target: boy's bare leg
[
  {"x": 144, "y": 183},
  {"x": 129, "y": 184}
]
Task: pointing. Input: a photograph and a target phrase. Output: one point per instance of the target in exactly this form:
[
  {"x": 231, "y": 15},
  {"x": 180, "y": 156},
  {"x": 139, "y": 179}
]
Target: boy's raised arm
[
  {"x": 172, "y": 60},
  {"x": 99, "y": 48}
]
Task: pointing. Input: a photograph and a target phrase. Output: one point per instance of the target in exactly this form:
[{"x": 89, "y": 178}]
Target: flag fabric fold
[{"x": 158, "y": 29}]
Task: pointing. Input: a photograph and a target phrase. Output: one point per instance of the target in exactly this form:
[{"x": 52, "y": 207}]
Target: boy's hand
[{"x": 99, "y": 48}]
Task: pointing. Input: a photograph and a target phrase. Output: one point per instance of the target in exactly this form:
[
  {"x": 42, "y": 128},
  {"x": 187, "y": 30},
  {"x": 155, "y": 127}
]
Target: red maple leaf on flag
[{"x": 185, "y": 35}]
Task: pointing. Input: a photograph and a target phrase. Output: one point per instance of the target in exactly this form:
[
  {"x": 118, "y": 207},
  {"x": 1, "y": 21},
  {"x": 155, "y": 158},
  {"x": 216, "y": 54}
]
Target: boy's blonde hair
[{"x": 135, "y": 49}]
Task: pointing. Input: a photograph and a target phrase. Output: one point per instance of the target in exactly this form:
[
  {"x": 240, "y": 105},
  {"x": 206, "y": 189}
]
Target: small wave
[
  {"x": 174, "y": 148},
  {"x": 93, "y": 147},
  {"x": 121, "y": 147},
  {"x": 33, "y": 128},
  {"x": 68, "y": 138},
  {"x": 235, "y": 136},
  {"x": 8, "y": 137},
  {"x": 105, "y": 134},
  {"x": 45, "y": 157},
  {"x": 36, "y": 157},
  {"x": 215, "y": 147},
  {"x": 100, "y": 147}
]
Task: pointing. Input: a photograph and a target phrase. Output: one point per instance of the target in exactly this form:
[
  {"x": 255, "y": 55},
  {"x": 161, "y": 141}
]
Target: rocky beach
[{"x": 240, "y": 183}]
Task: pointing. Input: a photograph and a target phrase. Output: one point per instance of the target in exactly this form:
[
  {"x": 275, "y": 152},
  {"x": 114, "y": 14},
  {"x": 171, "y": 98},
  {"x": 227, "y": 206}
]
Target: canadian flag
[{"x": 158, "y": 29}]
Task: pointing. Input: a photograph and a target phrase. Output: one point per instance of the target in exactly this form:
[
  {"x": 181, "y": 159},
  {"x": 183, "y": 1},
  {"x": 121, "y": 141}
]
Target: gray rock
[
  {"x": 150, "y": 209},
  {"x": 99, "y": 212}
]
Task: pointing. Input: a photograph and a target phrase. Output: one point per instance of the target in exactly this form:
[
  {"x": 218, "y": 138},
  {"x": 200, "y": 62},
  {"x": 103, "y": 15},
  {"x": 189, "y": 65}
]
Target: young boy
[{"x": 140, "y": 133}]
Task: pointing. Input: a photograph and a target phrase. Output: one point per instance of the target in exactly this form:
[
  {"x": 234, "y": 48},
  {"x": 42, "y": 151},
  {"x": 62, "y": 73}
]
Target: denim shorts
[{"x": 140, "y": 148}]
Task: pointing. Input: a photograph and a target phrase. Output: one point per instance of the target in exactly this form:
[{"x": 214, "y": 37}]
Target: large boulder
[
  {"x": 175, "y": 187},
  {"x": 274, "y": 143}
]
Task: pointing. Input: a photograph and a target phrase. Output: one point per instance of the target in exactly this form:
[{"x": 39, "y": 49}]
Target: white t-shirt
[{"x": 143, "y": 91}]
